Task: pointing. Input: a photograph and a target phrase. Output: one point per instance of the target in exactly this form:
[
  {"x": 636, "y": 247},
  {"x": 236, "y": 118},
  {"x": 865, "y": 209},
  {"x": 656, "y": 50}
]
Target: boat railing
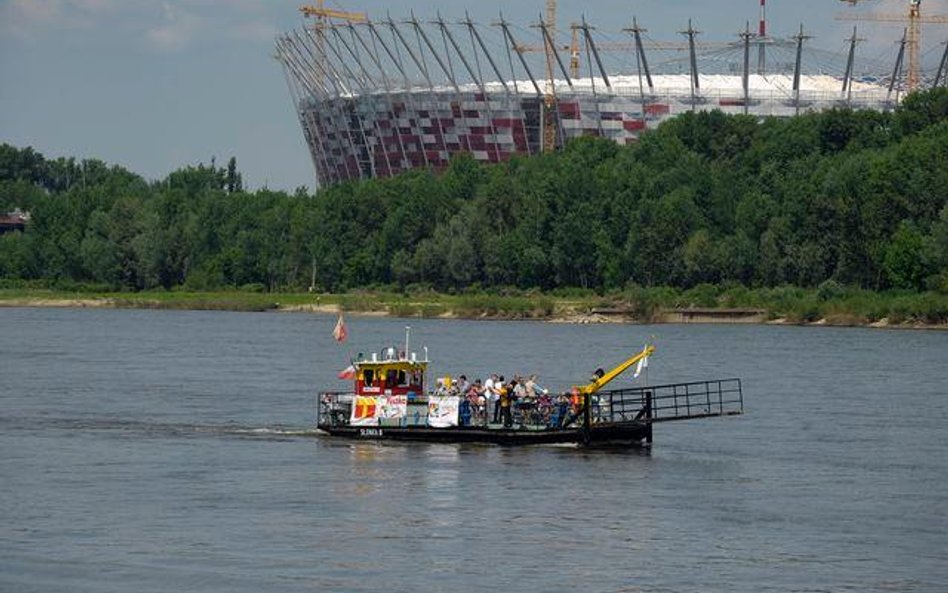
[
  {"x": 335, "y": 410},
  {"x": 646, "y": 404},
  {"x": 673, "y": 401}
]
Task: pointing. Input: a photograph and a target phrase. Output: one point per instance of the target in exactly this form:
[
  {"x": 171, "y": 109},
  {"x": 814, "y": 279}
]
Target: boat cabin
[{"x": 390, "y": 372}]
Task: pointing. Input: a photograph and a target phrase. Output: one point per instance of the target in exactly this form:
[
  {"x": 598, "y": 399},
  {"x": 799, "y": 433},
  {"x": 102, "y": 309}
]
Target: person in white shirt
[{"x": 492, "y": 391}]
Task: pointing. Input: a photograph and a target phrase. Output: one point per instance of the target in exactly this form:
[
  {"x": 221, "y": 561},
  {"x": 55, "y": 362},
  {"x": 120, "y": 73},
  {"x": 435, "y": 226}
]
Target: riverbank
[{"x": 788, "y": 306}]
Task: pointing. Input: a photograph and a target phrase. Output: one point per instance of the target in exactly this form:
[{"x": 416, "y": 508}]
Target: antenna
[
  {"x": 761, "y": 39},
  {"x": 762, "y": 26}
]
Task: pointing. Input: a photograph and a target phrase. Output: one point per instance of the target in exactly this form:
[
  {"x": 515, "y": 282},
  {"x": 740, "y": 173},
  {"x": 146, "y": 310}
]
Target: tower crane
[
  {"x": 324, "y": 17},
  {"x": 323, "y": 14},
  {"x": 914, "y": 20}
]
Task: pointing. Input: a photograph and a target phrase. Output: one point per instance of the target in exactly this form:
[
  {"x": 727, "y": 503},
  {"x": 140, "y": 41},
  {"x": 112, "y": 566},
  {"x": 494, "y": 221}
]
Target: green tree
[{"x": 905, "y": 260}]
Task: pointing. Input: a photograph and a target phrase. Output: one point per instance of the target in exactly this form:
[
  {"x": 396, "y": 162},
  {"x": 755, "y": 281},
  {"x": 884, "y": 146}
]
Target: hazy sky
[{"x": 156, "y": 85}]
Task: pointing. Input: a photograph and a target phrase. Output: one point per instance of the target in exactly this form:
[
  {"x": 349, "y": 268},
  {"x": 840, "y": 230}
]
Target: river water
[{"x": 172, "y": 451}]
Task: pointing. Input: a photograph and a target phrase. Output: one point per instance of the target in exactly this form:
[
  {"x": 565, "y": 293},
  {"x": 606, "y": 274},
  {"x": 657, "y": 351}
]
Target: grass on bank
[{"x": 830, "y": 302}]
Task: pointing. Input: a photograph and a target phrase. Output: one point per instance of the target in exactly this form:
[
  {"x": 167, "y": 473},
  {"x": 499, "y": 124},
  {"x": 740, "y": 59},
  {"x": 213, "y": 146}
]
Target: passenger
[
  {"x": 463, "y": 385},
  {"x": 533, "y": 389},
  {"x": 519, "y": 390},
  {"x": 577, "y": 403},
  {"x": 518, "y": 402},
  {"x": 504, "y": 401},
  {"x": 544, "y": 407},
  {"x": 451, "y": 386},
  {"x": 440, "y": 389},
  {"x": 464, "y": 413},
  {"x": 475, "y": 394},
  {"x": 561, "y": 410},
  {"x": 493, "y": 394}
]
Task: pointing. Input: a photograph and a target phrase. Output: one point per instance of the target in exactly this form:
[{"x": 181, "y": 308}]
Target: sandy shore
[
  {"x": 77, "y": 303},
  {"x": 573, "y": 317}
]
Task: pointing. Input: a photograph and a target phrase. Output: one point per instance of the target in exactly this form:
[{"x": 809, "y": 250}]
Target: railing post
[
  {"x": 648, "y": 417},
  {"x": 587, "y": 412}
]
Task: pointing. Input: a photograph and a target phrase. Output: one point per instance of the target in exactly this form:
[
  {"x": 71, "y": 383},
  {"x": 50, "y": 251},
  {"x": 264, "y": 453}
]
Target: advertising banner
[{"x": 443, "y": 411}]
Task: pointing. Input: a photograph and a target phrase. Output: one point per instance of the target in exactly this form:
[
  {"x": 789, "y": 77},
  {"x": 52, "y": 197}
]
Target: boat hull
[{"x": 628, "y": 434}]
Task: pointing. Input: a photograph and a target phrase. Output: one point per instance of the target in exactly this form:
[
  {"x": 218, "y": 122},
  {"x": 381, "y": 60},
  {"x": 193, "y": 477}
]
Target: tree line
[{"x": 859, "y": 198}]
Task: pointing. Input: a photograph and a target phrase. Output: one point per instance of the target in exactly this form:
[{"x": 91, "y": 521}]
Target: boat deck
[{"x": 620, "y": 416}]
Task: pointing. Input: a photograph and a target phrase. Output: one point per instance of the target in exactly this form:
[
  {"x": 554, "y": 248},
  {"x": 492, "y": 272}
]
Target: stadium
[{"x": 377, "y": 98}]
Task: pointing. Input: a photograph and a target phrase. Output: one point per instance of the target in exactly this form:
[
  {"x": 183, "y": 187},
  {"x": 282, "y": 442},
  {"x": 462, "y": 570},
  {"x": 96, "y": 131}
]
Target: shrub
[
  {"x": 830, "y": 290},
  {"x": 702, "y": 295}
]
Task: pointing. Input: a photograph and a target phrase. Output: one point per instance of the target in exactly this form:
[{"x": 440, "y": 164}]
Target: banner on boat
[
  {"x": 443, "y": 410},
  {"x": 368, "y": 410},
  {"x": 392, "y": 407},
  {"x": 364, "y": 411}
]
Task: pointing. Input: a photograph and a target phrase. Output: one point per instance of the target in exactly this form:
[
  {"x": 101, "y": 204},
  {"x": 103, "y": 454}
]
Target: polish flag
[
  {"x": 339, "y": 332},
  {"x": 347, "y": 373}
]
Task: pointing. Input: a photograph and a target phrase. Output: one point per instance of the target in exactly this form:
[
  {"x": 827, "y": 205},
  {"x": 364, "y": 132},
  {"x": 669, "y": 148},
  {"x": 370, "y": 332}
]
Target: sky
[{"x": 156, "y": 85}]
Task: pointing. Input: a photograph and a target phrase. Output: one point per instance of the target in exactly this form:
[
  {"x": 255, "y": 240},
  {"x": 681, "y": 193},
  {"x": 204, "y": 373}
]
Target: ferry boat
[{"x": 390, "y": 400}]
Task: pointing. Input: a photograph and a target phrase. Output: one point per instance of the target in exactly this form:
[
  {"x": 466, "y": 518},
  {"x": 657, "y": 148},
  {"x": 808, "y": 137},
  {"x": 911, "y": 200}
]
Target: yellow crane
[
  {"x": 601, "y": 380},
  {"x": 323, "y": 14},
  {"x": 324, "y": 17},
  {"x": 549, "y": 125},
  {"x": 914, "y": 20}
]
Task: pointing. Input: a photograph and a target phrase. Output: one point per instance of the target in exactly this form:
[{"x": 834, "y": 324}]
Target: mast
[
  {"x": 761, "y": 37},
  {"x": 693, "y": 60},
  {"x": 796, "y": 68},
  {"x": 942, "y": 67},
  {"x": 745, "y": 77},
  {"x": 640, "y": 61},
  {"x": 897, "y": 71}
]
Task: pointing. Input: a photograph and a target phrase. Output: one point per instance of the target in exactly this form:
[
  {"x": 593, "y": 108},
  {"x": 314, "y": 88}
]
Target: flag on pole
[
  {"x": 347, "y": 373},
  {"x": 643, "y": 364},
  {"x": 339, "y": 332}
]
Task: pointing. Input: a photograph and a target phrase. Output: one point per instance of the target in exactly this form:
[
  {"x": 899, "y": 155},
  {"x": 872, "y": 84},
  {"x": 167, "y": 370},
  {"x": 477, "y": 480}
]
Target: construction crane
[
  {"x": 323, "y": 14},
  {"x": 549, "y": 100},
  {"x": 914, "y": 21},
  {"x": 614, "y": 46},
  {"x": 324, "y": 17},
  {"x": 550, "y": 47},
  {"x": 572, "y": 48}
]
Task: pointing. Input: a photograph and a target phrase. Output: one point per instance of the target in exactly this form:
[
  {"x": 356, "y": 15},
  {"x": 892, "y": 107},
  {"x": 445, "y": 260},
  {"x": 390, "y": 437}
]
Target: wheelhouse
[{"x": 390, "y": 372}]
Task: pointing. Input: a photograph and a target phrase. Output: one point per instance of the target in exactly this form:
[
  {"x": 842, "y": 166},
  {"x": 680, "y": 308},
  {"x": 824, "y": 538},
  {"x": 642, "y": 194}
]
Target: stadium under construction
[{"x": 376, "y": 98}]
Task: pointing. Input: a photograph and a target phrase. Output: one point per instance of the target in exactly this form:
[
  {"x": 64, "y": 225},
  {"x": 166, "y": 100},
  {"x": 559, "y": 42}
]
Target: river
[{"x": 173, "y": 451}]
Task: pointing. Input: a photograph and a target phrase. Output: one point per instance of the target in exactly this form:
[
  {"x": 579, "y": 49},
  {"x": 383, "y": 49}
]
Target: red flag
[
  {"x": 347, "y": 373},
  {"x": 340, "y": 330}
]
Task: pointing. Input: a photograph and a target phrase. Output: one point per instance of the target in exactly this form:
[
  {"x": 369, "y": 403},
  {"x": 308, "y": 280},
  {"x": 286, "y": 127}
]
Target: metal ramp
[{"x": 674, "y": 401}]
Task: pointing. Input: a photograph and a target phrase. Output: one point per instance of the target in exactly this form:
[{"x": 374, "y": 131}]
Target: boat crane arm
[{"x": 602, "y": 381}]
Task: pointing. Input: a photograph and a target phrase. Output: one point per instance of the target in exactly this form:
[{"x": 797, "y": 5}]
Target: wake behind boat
[{"x": 389, "y": 400}]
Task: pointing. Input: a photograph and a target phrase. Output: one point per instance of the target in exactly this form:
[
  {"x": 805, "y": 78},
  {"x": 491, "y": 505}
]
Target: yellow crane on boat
[{"x": 605, "y": 378}]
